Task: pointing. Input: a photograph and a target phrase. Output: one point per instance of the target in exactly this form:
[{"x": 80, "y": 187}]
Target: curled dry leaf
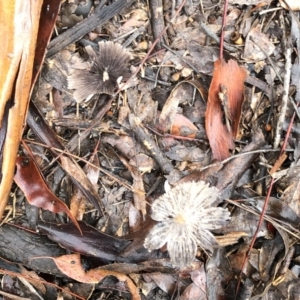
[
  {"x": 138, "y": 187},
  {"x": 71, "y": 266},
  {"x": 182, "y": 126},
  {"x": 92, "y": 242},
  {"x": 169, "y": 120},
  {"x": 78, "y": 202},
  {"x": 224, "y": 107},
  {"x": 79, "y": 177},
  {"x": 30, "y": 181}
]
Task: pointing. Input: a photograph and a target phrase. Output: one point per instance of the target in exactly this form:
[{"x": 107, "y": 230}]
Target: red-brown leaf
[
  {"x": 221, "y": 136},
  {"x": 181, "y": 124},
  {"x": 71, "y": 266},
  {"x": 37, "y": 193}
]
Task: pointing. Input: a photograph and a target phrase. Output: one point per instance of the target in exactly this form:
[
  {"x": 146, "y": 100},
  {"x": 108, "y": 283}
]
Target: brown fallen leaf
[
  {"x": 30, "y": 181},
  {"x": 182, "y": 126},
  {"x": 224, "y": 106},
  {"x": 92, "y": 242},
  {"x": 169, "y": 119},
  {"x": 71, "y": 266}
]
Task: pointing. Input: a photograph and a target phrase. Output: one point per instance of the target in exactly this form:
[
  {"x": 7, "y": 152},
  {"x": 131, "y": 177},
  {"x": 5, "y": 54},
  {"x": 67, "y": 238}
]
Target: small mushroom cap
[{"x": 107, "y": 66}]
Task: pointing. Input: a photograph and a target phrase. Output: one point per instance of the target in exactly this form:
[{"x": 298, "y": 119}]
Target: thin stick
[
  {"x": 241, "y": 154},
  {"x": 222, "y": 29},
  {"x": 285, "y": 97}
]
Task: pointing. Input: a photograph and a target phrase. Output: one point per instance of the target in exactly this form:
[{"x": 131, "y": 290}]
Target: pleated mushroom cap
[{"x": 108, "y": 66}]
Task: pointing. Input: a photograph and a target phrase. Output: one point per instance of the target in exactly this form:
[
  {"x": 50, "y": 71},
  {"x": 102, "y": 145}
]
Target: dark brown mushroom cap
[{"x": 107, "y": 66}]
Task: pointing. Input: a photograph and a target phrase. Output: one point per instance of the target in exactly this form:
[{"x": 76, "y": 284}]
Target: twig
[
  {"x": 269, "y": 10},
  {"x": 285, "y": 97},
  {"x": 201, "y": 8},
  {"x": 295, "y": 107},
  {"x": 103, "y": 2},
  {"x": 222, "y": 29},
  {"x": 148, "y": 142},
  {"x": 241, "y": 154},
  {"x": 157, "y": 20},
  {"x": 159, "y": 68},
  {"x": 134, "y": 35},
  {"x": 183, "y": 138},
  {"x": 159, "y": 81},
  {"x": 173, "y": 8},
  {"x": 259, "y": 84}
]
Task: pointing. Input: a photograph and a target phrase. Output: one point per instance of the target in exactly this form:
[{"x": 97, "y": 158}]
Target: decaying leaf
[
  {"x": 74, "y": 170},
  {"x": 169, "y": 120},
  {"x": 182, "y": 126},
  {"x": 257, "y": 45},
  {"x": 138, "y": 18},
  {"x": 143, "y": 162},
  {"x": 217, "y": 270},
  {"x": 36, "y": 282},
  {"x": 92, "y": 242},
  {"x": 165, "y": 281},
  {"x": 138, "y": 188},
  {"x": 224, "y": 106},
  {"x": 99, "y": 245},
  {"x": 37, "y": 193},
  {"x": 72, "y": 267},
  {"x": 78, "y": 202}
]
